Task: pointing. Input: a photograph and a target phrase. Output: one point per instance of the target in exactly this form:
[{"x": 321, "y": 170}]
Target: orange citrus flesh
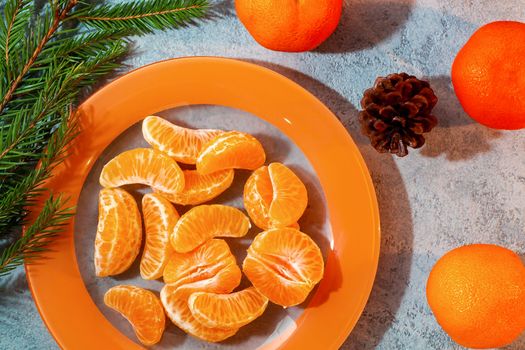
[
  {"x": 181, "y": 144},
  {"x": 477, "y": 294},
  {"x": 284, "y": 265},
  {"x": 258, "y": 196},
  {"x": 119, "y": 232},
  {"x": 201, "y": 263},
  {"x": 141, "y": 308},
  {"x": 160, "y": 218},
  {"x": 201, "y": 188},
  {"x": 204, "y": 222},
  {"x": 143, "y": 166},
  {"x": 175, "y": 301},
  {"x": 227, "y": 310},
  {"x": 231, "y": 150},
  {"x": 289, "y": 195}
]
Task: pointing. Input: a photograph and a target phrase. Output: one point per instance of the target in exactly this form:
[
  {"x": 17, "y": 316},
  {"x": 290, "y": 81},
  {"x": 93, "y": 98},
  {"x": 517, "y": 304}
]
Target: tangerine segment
[
  {"x": 289, "y": 195},
  {"x": 227, "y": 310},
  {"x": 201, "y": 188},
  {"x": 182, "y": 144},
  {"x": 160, "y": 218},
  {"x": 258, "y": 196},
  {"x": 175, "y": 301},
  {"x": 201, "y": 263},
  {"x": 143, "y": 166},
  {"x": 284, "y": 265},
  {"x": 141, "y": 308},
  {"x": 231, "y": 150},
  {"x": 119, "y": 232},
  {"x": 204, "y": 222}
]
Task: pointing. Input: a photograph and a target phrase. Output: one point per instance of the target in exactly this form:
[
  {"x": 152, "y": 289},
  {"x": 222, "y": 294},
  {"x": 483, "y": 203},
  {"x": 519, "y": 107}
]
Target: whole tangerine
[
  {"x": 289, "y": 25},
  {"x": 488, "y": 75},
  {"x": 477, "y": 294}
]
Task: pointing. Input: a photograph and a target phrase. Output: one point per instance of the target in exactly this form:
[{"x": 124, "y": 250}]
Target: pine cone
[{"x": 397, "y": 112}]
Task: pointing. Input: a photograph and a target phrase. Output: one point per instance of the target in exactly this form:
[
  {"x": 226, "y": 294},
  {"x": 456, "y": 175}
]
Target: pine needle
[
  {"x": 35, "y": 240},
  {"x": 49, "y": 58},
  {"x": 142, "y": 17}
]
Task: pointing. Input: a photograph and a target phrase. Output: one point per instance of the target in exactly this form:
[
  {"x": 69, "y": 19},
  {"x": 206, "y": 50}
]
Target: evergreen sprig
[
  {"x": 49, "y": 59},
  {"x": 144, "y": 16}
]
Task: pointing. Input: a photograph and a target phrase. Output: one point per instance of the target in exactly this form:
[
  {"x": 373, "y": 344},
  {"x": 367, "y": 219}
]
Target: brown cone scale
[{"x": 397, "y": 112}]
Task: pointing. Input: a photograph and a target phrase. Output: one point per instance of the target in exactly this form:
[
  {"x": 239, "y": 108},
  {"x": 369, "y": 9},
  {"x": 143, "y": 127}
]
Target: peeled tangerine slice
[
  {"x": 284, "y": 265},
  {"x": 143, "y": 166},
  {"x": 141, "y": 308},
  {"x": 175, "y": 301},
  {"x": 227, "y": 310},
  {"x": 160, "y": 218},
  {"x": 181, "y": 144},
  {"x": 204, "y": 222},
  {"x": 289, "y": 195},
  {"x": 201, "y": 188},
  {"x": 231, "y": 150},
  {"x": 201, "y": 263},
  {"x": 119, "y": 232},
  {"x": 275, "y": 197}
]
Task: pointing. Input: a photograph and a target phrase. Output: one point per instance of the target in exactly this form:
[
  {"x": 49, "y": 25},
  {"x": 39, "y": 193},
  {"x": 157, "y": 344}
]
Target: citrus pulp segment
[
  {"x": 182, "y": 144},
  {"x": 231, "y": 150},
  {"x": 141, "y": 308},
  {"x": 144, "y": 166},
  {"x": 204, "y": 222},
  {"x": 119, "y": 232},
  {"x": 160, "y": 218}
]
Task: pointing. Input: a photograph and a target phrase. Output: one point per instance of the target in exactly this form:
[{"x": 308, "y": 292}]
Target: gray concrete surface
[{"x": 466, "y": 185}]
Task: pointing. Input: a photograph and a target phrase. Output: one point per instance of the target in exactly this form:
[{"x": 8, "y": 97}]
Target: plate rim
[{"x": 33, "y": 270}]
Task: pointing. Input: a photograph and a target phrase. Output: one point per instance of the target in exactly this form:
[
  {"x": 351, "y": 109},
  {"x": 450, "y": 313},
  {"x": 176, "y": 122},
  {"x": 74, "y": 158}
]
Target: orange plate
[{"x": 56, "y": 284}]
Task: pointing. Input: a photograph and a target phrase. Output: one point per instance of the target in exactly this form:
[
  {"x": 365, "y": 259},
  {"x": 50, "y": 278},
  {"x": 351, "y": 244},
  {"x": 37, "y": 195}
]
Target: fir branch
[
  {"x": 25, "y": 192},
  {"x": 142, "y": 17},
  {"x": 80, "y": 47},
  {"x": 60, "y": 15},
  {"x": 47, "y": 61},
  {"x": 49, "y": 223},
  {"x": 17, "y": 14}
]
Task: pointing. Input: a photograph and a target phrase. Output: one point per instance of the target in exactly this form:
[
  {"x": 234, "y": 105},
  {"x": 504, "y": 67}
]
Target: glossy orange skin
[
  {"x": 289, "y": 25},
  {"x": 477, "y": 293},
  {"x": 488, "y": 75}
]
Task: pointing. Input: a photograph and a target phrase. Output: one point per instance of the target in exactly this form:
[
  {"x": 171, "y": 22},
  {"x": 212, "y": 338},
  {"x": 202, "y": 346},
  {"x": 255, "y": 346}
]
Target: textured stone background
[{"x": 466, "y": 185}]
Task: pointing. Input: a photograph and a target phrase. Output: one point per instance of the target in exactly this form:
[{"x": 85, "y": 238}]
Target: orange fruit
[
  {"x": 143, "y": 166},
  {"x": 289, "y": 25},
  {"x": 477, "y": 294},
  {"x": 182, "y": 144},
  {"x": 227, "y": 310},
  {"x": 231, "y": 150},
  {"x": 119, "y": 232},
  {"x": 274, "y": 197},
  {"x": 488, "y": 75},
  {"x": 160, "y": 218},
  {"x": 201, "y": 263},
  {"x": 204, "y": 222},
  {"x": 257, "y": 196},
  {"x": 284, "y": 264},
  {"x": 141, "y": 308},
  {"x": 201, "y": 188},
  {"x": 175, "y": 300}
]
